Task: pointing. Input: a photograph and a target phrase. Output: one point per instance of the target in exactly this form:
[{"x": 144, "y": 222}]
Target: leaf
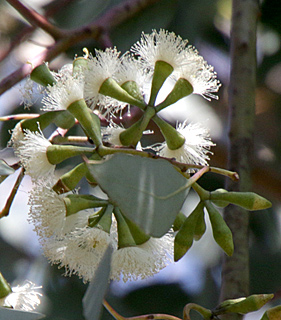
[
  {"x": 12, "y": 314},
  {"x": 93, "y": 298},
  {"x": 5, "y": 170},
  {"x": 150, "y": 192}
]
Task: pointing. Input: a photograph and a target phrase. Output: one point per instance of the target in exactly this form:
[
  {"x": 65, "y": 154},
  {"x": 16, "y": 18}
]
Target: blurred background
[{"x": 196, "y": 277}]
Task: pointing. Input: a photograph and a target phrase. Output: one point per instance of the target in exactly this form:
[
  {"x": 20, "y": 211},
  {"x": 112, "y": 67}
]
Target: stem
[
  {"x": 94, "y": 31},
  {"x": 103, "y": 151},
  {"x": 8, "y": 204},
  {"x": 235, "y": 271},
  {"x": 159, "y": 316},
  {"x": 36, "y": 19}
]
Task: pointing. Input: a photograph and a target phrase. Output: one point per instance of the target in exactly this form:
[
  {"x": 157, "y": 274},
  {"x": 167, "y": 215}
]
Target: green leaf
[
  {"x": 11, "y": 314},
  {"x": 150, "y": 192},
  {"x": 5, "y": 170}
]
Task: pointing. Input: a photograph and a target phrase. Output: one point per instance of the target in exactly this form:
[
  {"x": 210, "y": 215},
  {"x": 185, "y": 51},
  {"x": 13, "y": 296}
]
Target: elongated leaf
[
  {"x": 11, "y": 314},
  {"x": 150, "y": 192},
  {"x": 92, "y": 300}
]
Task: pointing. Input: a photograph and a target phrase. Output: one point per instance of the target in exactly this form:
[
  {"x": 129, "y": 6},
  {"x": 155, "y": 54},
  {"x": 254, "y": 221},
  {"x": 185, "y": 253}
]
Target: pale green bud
[
  {"x": 246, "y": 200},
  {"x": 5, "y": 288},
  {"x": 243, "y": 305},
  {"x": 42, "y": 75},
  {"x": 272, "y": 314},
  {"x": 162, "y": 70},
  {"x": 182, "y": 89},
  {"x": 221, "y": 232}
]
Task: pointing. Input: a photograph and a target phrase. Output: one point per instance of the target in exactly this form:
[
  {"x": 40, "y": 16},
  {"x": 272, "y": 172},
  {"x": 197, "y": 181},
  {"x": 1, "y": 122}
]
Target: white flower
[
  {"x": 64, "y": 92},
  {"x": 112, "y": 132},
  {"x": 23, "y": 297},
  {"x": 81, "y": 251},
  {"x": 101, "y": 67},
  {"x": 185, "y": 60},
  {"x": 162, "y": 45},
  {"x": 47, "y": 211},
  {"x": 32, "y": 151},
  {"x": 201, "y": 76},
  {"x": 142, "y": 261},
  {"x": 16, "y": 137},
  {"x": 195, "y": 148}
]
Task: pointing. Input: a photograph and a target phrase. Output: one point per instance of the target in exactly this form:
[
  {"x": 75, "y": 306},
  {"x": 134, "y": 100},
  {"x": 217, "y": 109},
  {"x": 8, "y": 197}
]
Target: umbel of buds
[{"x": 139, "y": 213}]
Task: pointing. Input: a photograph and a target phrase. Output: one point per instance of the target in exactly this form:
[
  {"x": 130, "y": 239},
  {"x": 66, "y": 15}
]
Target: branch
[
  {"x": 36, "y": 19},
  {"x": 235, "y": 272},
  {"x": 94, "y": 30}
]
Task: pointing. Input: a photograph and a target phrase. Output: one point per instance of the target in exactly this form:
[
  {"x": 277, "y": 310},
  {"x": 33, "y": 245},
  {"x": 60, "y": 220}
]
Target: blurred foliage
[{"x": 206, "y": 24}]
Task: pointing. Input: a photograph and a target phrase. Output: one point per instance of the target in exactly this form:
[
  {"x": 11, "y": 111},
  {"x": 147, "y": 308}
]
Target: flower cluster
[{"x": 75, "y": 230}]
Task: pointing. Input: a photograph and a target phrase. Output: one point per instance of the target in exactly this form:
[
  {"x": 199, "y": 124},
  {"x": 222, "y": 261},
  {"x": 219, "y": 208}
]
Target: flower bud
[
  {"x": 182, "y": 89},
  {"x": 42, "y": 75},
  {"x": 79, "y": 64},
  {"x": 184, "y": 238},
  {"x": 246, "y": 200},
  {"x": 173, "y": 138},
  {"x": 272, "y": 314},
  {"x": 200, "y": 227},
  {"x": 89, "y": 121},
  {"x": 76, "y": 202},
  {"x": 5, "y": 288},
  {"x": 243, "y": 305},
  {"x": 133, "y": 89},
  {"x": 112, "y": 89},
  {"x": 162, "y": 71},
  {"x": 132, "y": 135},
  {"x": 102, "y": 219},
  {"x": 180, "y": 218},
  {"x": 125, "y": 237},
  {"x": 221, "y": 232},
  {"x": 220, "y": 203}
]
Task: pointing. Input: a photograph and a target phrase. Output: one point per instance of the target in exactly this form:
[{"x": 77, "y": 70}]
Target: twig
[
  {"x": 36, "y": 19},
  {"x": 93, "y": 30}
]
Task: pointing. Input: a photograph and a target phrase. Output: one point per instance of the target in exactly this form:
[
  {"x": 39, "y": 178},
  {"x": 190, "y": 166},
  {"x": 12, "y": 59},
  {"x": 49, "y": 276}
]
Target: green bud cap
[
  {"x": 132, "y": 135},
  {"x": 133, "y": 89},
  {"x": 272, "y": 314},
  {"x": 182, "y": 89},
  {"x": 70, "y": 179},
  {"x": 200, "y": 227},
  {"x": 58, "y": 153},
  {"x": 184, "y": 238},
  {"x": 112, "y": 89},
  {"x": 64, "y": 120},
  {"x": 243, "y": 305},
  {"x": 76, "y": 202},
  {"x": 139, "y": 236},
  {"x": 247, "y": 200},
  {"x": 125, "y": 237},
  {"x": 180, "y": 218},
  {"x": 42, "y": 75},
  {"x": 5, "y": 288},
  {"x": 102, "y": 219},
  {"x": 173, "y": 138},
  {"x": 220, "y": 203},
  {"x": 162, "y": 70},
  {"x": 95, "y": 218},
  {"x": 221, "y": 232},
  {"x": 41, "y": 121},
  {"x": 79, "y": 64},
  {"x": 89, "y": 121}
]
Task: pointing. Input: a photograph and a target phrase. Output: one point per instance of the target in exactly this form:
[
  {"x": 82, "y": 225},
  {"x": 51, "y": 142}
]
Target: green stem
[
  {"x": 158, "y": 316},
  {"x": 206, "y": 313}
]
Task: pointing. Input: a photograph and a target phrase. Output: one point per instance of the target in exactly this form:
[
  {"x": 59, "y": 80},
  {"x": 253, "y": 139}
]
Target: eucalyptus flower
[
  {"x": 64, "y": 92},
  {"x": 32, "y": 151},
  {"x": 142, "y": 261},
  {"x": 101, "y": 67},
  {"x": 194, "y": 150},
  {"x": 24, "y": 297}
]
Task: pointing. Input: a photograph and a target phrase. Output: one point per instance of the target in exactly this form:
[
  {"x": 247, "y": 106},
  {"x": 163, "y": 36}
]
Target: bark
[{"x": 235, "y": 270}]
